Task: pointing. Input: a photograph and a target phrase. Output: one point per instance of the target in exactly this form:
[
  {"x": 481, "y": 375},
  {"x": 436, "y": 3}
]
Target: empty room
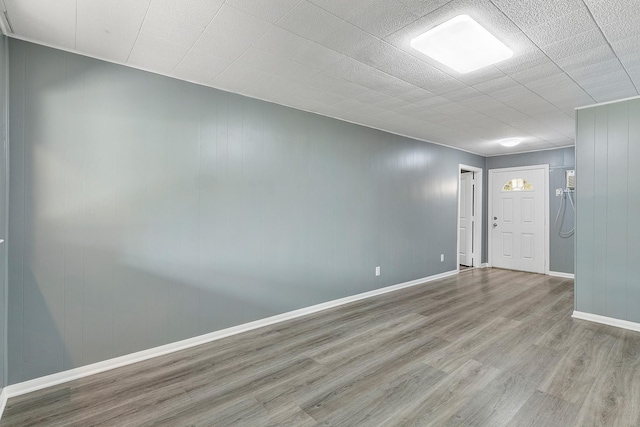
[{"x": 319, "y": 213}]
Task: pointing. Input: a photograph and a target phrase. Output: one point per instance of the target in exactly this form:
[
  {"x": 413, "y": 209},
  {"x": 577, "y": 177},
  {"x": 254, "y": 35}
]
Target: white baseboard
[
  {"x": 3, "y": 400},
  {"x": 484, "y": 265},
  {"x": 117, "y": 362},
  {"x": 563, "y": 275},
  {"x": 618, "y": 323}
]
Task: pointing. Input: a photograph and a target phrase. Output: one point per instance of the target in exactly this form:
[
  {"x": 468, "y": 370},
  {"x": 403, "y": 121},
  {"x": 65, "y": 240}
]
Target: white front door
[
  {"x": 466, "y": 219},
  {"x": 517, "y": 225}
]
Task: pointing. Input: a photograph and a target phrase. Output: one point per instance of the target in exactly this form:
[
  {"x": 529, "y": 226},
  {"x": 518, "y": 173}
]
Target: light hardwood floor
[{"x": 483, "y": 348}]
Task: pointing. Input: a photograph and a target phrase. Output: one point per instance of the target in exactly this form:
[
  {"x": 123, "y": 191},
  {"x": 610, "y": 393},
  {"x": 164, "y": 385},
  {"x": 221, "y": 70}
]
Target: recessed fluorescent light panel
[
  {"x": 510, "y": 142},
  {"x": 462, "y": 44}
]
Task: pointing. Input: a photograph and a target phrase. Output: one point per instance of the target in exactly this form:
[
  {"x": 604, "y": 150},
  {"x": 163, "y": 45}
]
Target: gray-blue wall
[
  {"x": 145, "y": 210},
  {"x": 607, "y": 153},
  {"x": 4, "y": 71},
  {"x": 561, "y": 250}
]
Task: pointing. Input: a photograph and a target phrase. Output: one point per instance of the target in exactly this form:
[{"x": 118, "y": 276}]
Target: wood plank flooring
[{"x": 484, "y": 348}]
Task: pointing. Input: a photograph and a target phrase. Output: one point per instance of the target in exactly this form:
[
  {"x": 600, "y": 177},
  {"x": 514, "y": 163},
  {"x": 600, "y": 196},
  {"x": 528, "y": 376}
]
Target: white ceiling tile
[
  {"x": 634, "y": 74},
  {"x": 415, "y": 95},
  {"x": 235, "y": 27},
  {"x": 156, "y": 54},
  {"x": 271, "y": 84},
  {"x": 357, "y": 72},
  {"x": 563, "y": 27},
  {"x": 610, "y": 11},
  {"x": 595, "y": 70},
  {"x": 384, "y": 17},
  {"x": 191, "y": 74},
  {"x": 221, "y": 47},
  {"x": 627, "y": 50},
  {"x": 530, "y": 13},
  {"x": 383, "y": 56},
  {"x": 587, "y": 58},
  {"x": 45, "y": 20},
  {"x": 390, "y": 102},
  {"x": 346, "y": 38},
  {"x": 343, "y": 9},
  {"x": 496, "y": 84},
  {"x": 487, "y": 74},
  {"x": 544, "y": 70},
  {"x": 310, "y": 21},
  {"x": 578, "y": 43},
  {"x": 295, "y": 72},
  {"x": 460, "y": 94},
  {"x": 444, "y": 87},
  {"x": 318, "y": 56},
  {"x": 236, "y": 79},
  {"x": 333, "y": 84},
  {"x": 622, "y": 29},
  {"x": 181, "y": 23},
  {"x": 271, "y": 11},
  {"x": 283, "y": 43},
  {"x": 256, "y": 58},
  {"x": 618, "y": 78},
  {"x": 201, "y": 64},
  {"x": 523, "y": 61},
  {"x": 112, "y": 28}
]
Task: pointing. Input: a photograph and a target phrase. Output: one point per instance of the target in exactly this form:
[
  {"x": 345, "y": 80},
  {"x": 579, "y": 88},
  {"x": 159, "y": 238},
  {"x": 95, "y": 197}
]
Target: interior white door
[
  {"x": 466, "y": 219},
  {"x": 517, "y": 219}
]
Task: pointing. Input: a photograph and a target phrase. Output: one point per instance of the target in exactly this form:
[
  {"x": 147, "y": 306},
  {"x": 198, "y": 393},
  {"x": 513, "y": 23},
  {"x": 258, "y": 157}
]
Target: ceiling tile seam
[
  {"x": 500, "y": 121},
  {"x": 286, "y": 14},
  {"x": 543, "y": 52},
  {"x": 524, "y": 113},
  {"x": 516, "y": 109},
  {"x": 139, "y": 30},
  {"x": 252, "y": 45},
  {"x": 199, "y": 37},
  {"x": 611, "y": 47}
]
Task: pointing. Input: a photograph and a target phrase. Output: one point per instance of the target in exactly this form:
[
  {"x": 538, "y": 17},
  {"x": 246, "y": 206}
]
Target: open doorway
[{"x": 469, "y": 217}]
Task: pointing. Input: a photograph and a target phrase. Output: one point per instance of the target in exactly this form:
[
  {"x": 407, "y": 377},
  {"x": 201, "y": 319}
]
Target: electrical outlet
[
  {"x": 377, "y": 270},
  {"x": 559, "y": 191},
  {"x": 441, "y": 257}
]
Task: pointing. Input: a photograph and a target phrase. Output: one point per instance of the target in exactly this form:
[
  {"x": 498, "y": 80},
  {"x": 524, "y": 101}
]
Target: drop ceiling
[{"x": 352, "y": 59}]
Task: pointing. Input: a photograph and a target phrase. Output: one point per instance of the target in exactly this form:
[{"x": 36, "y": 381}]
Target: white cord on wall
[{"x": 563, "y": 203}]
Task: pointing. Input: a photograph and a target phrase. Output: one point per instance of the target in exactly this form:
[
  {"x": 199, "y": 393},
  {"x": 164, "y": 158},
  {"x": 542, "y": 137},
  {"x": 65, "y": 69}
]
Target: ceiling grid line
[
  {"x": 548, "y": 57},
  {"x": 139, "y": 29},
  {"x": 200, "y": 36},
  {"x": 611, "y": 47}
]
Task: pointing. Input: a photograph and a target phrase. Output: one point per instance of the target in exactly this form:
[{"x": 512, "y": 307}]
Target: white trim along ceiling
[{"x": 352, "y": 60}]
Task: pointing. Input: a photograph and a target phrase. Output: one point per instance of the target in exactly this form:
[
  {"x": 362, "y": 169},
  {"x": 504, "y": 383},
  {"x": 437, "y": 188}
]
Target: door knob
[{"x": 495, "y": 224}]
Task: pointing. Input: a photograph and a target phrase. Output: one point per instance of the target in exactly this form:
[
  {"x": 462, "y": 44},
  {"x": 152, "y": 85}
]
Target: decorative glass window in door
[{"x": 517, "y": 184}]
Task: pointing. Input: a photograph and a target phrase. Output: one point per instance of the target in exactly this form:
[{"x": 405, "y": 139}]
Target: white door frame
[
  {"x": 546, "y": 209},
  {"x": 477, "y": 208}
]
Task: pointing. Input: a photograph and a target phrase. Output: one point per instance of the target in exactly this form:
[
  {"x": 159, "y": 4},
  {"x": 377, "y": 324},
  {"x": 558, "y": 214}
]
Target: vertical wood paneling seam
[
  {"x": 626, "y": 281},
  {"x": 593, "y": 207},
  {"x": 24, "y": 200},
  {"x": 199, "y": 263},
  {"x": 83, "y": 192},
  {"x": 64, "y": 244},
  {"x": 606, "y": 213},
  {"x": 113, "y": 245}
]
